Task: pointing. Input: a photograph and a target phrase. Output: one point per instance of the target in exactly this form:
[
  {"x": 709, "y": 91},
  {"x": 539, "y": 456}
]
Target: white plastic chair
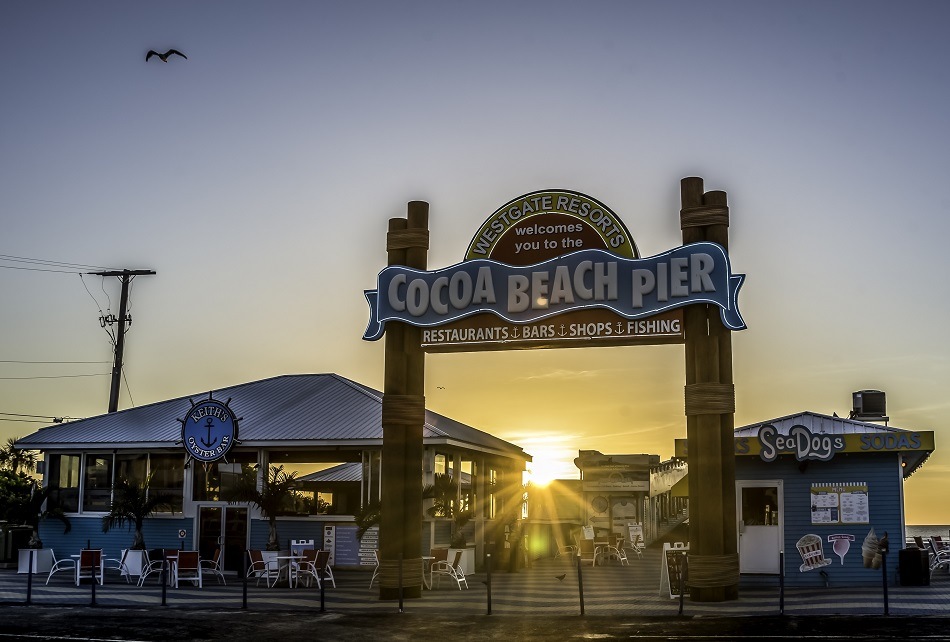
[
  {"x": 213, "y": 567},
  {"x": 453, "y": 570},
  {"x": 186, "y": 568},
  {"x": 113, "y": 564},
  {"x": 90, "y": 566},
  {"x": 375, "y": 570},
  {"x": 68, "y": 564}
]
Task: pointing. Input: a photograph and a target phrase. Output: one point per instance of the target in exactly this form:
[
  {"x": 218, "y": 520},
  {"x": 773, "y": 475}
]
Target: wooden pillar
[
  {"x": 400, "y": 531},
  {"x": 710, "y": 417}
]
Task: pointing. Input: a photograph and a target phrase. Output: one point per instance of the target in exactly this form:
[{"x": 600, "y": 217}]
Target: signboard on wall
[
  {"x": 555, "y": 269},
  {"x": 840, "y": 503},
  {"x": 209, "y": 430}
]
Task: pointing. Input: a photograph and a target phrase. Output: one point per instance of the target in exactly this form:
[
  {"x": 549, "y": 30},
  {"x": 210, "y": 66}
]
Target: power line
[
  {"x": 49, "y": 362},
  {"x": 38, "y": 418},
  {"x": 96, "y": 374},
  {"x": 47, "y": 262}
]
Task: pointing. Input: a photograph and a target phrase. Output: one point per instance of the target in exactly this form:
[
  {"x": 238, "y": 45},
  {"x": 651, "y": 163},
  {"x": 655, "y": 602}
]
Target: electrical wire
[
  {"x": 128, "y": 389},
  {"x": 49, "y": 362},
  {"x": 96, "y": 374},
  {"x": 48, "y": 263}
]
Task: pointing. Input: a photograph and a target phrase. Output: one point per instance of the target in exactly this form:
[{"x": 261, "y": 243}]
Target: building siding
[
  {"x": 881, "y": 473},
  {"x": 158, "y": 533}
]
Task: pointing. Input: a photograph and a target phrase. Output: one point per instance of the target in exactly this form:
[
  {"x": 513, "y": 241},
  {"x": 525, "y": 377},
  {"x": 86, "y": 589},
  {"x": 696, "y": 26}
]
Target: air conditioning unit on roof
[{"x": 869, "y": 404}]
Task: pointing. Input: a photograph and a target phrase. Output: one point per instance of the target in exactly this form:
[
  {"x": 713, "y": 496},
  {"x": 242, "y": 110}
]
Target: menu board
[
  {"x": 670, "y": 570},
  {"x": 346, "y": 548},
  {"x": 840, "y": 503}
]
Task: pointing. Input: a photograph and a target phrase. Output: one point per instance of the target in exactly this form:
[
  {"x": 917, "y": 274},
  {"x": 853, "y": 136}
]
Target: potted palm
[
  {"x": 24, "y": 501},
  {"x": 132, "y": 503},
  {"x": 273, "y": 497},
  {"x": 443, "y": 491}
]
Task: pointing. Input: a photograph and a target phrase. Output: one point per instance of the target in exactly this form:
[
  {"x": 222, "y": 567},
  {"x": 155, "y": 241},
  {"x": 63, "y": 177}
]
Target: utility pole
[{"x": 126, "y": 276}]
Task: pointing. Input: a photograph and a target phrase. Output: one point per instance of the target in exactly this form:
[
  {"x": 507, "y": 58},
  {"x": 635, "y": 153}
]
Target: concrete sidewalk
[{"x": 537, "y": 602}]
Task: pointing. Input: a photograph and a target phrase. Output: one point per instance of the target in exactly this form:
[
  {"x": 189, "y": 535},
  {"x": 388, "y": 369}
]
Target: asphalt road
[{"x": 61, "y": 623}]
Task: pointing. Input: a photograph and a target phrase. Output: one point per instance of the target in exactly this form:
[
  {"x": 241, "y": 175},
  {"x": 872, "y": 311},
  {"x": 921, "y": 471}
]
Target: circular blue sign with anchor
[{"x": 210, "y": 430}]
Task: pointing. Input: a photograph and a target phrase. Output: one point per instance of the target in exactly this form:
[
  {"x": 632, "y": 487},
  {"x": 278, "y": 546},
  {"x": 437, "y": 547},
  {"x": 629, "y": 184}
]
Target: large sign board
[
  {"x": 555, "y": 269},
  {"x": 209, "y": 430}
]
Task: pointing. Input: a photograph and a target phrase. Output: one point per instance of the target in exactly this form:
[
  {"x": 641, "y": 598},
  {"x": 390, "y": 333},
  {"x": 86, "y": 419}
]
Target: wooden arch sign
[{"x": 550, "y": 269}]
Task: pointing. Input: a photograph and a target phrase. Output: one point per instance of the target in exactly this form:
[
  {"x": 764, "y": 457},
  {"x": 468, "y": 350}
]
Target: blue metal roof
[
  {"x": 349, "y": 472},
  {"x": 288, "y": 411}
]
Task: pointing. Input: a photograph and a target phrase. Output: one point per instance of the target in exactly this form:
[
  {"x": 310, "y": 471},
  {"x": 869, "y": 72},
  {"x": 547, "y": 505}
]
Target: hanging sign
[
  {"x": 555, "y": 268},
  {"x": 209, "y": 430},
  {"x": 631, "y": 288}
]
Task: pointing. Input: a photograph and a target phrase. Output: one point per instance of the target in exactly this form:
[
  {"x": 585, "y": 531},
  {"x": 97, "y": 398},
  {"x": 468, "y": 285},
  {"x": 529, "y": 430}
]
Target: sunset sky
[{"x": 257, "y": 177}]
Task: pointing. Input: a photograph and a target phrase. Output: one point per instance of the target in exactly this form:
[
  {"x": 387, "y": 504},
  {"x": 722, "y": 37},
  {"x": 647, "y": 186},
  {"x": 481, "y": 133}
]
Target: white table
[
  {"x": 291, "y": 566},
  {"x": 427, "y": 571}
]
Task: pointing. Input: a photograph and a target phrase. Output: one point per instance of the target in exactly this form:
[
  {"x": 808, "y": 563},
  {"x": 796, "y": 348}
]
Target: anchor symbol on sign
[{"x": 209, "y": 424}]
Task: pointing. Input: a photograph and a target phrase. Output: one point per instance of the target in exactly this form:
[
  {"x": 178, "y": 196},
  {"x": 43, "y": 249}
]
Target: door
[
  {"x": 223, "y": 527},
  {"x": 760, "y": 508}
]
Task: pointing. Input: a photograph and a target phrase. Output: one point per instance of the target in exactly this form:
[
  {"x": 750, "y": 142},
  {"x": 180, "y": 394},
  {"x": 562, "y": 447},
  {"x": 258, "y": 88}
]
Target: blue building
[
  {"x": 305, "y": 423},
  {"x": 818, "y": 488}
]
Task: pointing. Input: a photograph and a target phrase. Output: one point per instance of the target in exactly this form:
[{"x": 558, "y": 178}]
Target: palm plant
[
  {"x": 22, "y": 502},
  {"x": 132, "y": 503},
  {"x": 273, "y": 497},
  {"x": 15, "y": 459},
  {"x": 445, "y": 503}
]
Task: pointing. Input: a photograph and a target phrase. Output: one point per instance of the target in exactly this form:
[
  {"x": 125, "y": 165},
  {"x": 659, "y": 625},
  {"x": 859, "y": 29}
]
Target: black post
[
  {"x": 488, "y": 579},
  {"x": 244, "y": 562},
  {"x": 684, "y": 569},
  {"x": 323, "y": 606},
  {"x": 162, "y": 576},
  {"x": 580, "y": 583},
  {"x": 93, "y": 603},
  {"x": 400, "y": 582},
  {"x": 29, "y": 581},
  {"x": 781, "y": 582},
  {"x": 884, "y": 578}
]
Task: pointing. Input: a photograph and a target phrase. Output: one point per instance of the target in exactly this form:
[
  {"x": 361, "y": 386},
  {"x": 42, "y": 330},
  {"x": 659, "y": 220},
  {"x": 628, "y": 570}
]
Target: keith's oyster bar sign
[{"x": 555, "y": 268}]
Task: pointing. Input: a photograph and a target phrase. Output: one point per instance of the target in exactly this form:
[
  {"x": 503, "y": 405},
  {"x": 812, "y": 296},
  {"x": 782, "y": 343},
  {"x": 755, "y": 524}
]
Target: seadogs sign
[{"x": 553, "y": 269}]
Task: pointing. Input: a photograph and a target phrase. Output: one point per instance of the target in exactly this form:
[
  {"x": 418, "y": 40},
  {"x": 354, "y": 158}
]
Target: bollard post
[
  {"x": 580, "y": 583},
  {"x": 93, "y": 602},
  {"x": 162, "y": 577},
  {"x": 884, "y": 579},
  {"x": 684, "y": 569},
  {"x": 400, "y": 583},
  {"x": 323, "y": 606},
  {"x": 244, "y": 563},
  {"x": 29, "y": 580},
  {"x": 488, "y": 579},
  {"x": 781, "y": 582}
]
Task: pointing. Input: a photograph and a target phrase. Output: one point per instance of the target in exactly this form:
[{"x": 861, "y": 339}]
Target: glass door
[
  {"x": 223, "y": 527},
  {"x": 760, "y": 516}
]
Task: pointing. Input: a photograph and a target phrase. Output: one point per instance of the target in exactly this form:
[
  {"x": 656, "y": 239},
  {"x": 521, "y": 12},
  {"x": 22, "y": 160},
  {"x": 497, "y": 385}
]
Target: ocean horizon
[{"x": 928, "y": 530}]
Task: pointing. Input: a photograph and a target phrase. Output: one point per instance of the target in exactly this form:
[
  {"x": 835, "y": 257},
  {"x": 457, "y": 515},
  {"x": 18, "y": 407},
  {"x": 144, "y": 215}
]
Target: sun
[{"x": 545, "y": 468}]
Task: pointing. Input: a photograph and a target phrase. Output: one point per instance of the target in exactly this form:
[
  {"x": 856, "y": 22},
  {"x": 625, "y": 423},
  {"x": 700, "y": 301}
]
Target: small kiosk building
[{"x": 822, "y": 489}]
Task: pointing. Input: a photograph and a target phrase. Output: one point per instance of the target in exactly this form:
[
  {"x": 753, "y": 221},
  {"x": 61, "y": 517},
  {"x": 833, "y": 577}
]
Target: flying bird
[
  {"x": 560, "y": 578},
  {"x": 164, "y": 56}
]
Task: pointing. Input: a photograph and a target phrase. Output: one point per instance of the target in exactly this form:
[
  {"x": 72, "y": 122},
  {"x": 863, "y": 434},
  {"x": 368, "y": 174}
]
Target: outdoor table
[
  {"x": 170, "y": 569},
  {"x": 600, "y": 545},
  {"x": 427, "y": 571},
  {"x": 291, "y": 566}
]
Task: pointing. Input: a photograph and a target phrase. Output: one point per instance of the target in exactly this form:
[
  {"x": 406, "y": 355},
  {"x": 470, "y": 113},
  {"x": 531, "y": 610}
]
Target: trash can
[{"x": 913, "y": 566}]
